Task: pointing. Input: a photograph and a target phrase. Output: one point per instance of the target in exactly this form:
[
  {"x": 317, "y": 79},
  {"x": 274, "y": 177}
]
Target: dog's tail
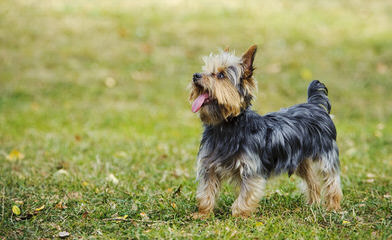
[{"x": 318, "y": 94}]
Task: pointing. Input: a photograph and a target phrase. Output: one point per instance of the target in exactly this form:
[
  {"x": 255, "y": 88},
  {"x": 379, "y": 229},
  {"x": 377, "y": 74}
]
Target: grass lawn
[{"x": 95, "y": 124}]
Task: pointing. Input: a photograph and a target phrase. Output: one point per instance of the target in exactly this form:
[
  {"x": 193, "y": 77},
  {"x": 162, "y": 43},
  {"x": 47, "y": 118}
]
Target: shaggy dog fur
[{"x": 246, "y": 148}]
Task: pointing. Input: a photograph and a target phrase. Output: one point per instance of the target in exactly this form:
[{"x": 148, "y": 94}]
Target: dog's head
[{"x": 225, "y": 87}]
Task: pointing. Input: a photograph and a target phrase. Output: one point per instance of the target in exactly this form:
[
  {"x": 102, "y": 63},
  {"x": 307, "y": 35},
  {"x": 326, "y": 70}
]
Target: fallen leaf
[
  {"x": 345, "y": 222},
  {"x": 380, "y": 126},
  {"x": 258, "y": 224},
  {"x": 163, "y": 156},
  {"x": 382, "y": 68},
  {"x": 60, "y": 173},
  {"x": 173, "y": 205},
  {"x": 40, "y": 208},
  {"x": 78, "y": 137},
  {"x": 16, "y": 210},
  {"x": 112, "y": 178},
  {"x": 119, "y": 218},
  {"x": 15, "y": 155},
  {"x": 144, "y": 216},
  {"x": 85, "y": 184},
  {"x": 110, "y": 82},
  {"x": 387, "y": 196},
  {"x": 64, "y": 234},
  {"x": 60, "y": 205},
  {"x": 370, "y": 180},
  {"x": 370, "y": 175},
  {"x": 146, "y": 48}
]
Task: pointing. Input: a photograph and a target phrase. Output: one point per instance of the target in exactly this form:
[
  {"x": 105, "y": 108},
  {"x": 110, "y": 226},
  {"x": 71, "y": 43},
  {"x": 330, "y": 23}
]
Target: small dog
[{"x": 246, "y": 148}]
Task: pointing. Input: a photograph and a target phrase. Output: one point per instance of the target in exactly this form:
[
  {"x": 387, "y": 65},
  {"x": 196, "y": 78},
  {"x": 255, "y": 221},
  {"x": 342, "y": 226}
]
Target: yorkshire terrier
[{"x": 246, "y": 148}]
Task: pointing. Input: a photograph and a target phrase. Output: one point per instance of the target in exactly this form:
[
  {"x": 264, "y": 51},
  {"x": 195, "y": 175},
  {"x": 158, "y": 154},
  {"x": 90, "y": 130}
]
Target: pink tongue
[{"x": 196, "y": 105}]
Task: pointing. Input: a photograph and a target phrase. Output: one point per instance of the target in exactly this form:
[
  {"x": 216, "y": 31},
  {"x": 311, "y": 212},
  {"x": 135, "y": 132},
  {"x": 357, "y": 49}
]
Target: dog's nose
[{"x": 196, "y": 77}]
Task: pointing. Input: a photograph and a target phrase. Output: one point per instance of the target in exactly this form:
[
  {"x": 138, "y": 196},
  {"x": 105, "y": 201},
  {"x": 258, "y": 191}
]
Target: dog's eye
[{"x": 220, "y": 75}]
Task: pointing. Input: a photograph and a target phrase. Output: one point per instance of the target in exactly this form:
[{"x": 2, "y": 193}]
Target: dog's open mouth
[{"x": 200, "y": 101}]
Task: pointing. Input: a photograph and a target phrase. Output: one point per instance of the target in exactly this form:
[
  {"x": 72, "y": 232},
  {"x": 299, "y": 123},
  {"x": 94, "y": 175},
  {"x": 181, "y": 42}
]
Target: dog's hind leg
[
  {"x": 330, "y": 173},
  {"x": 332, "y": 190},
  {"x": 306, "y": 170}
]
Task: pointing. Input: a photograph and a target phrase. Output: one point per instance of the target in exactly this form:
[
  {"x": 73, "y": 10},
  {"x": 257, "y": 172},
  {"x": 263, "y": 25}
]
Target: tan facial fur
[{"x": 231, "y": 94}]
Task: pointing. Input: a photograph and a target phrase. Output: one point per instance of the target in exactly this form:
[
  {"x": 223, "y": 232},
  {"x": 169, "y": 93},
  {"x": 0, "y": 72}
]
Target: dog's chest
[{"x": 227, "y": 160}]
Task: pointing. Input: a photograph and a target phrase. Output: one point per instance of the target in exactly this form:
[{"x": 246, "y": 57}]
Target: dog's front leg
[
  {"x": 251, "y": 191},
  {"x": 207, "y": 191}
]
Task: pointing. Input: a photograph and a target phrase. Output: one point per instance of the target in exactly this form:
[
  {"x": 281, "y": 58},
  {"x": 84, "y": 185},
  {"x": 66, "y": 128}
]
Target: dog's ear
[
  {"x": 247, "y": 81},
  {"x": 247, "y": 61}
]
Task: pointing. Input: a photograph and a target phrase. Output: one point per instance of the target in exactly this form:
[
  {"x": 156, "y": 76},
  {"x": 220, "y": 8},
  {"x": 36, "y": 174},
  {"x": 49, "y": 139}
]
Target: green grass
[{"x": 55, "y": 108}]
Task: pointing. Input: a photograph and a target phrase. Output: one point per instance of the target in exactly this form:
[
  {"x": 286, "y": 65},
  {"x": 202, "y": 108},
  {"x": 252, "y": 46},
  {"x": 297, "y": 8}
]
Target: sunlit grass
[{"x": 100, "y": 87}]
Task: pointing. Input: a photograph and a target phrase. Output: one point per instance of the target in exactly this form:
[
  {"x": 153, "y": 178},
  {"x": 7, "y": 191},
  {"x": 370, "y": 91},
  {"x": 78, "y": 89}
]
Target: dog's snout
[{"x": 196, "y": 77}]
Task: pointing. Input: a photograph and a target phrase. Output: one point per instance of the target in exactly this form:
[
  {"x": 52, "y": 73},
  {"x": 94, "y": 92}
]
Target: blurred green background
[{"x": 94, "y": 113}]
